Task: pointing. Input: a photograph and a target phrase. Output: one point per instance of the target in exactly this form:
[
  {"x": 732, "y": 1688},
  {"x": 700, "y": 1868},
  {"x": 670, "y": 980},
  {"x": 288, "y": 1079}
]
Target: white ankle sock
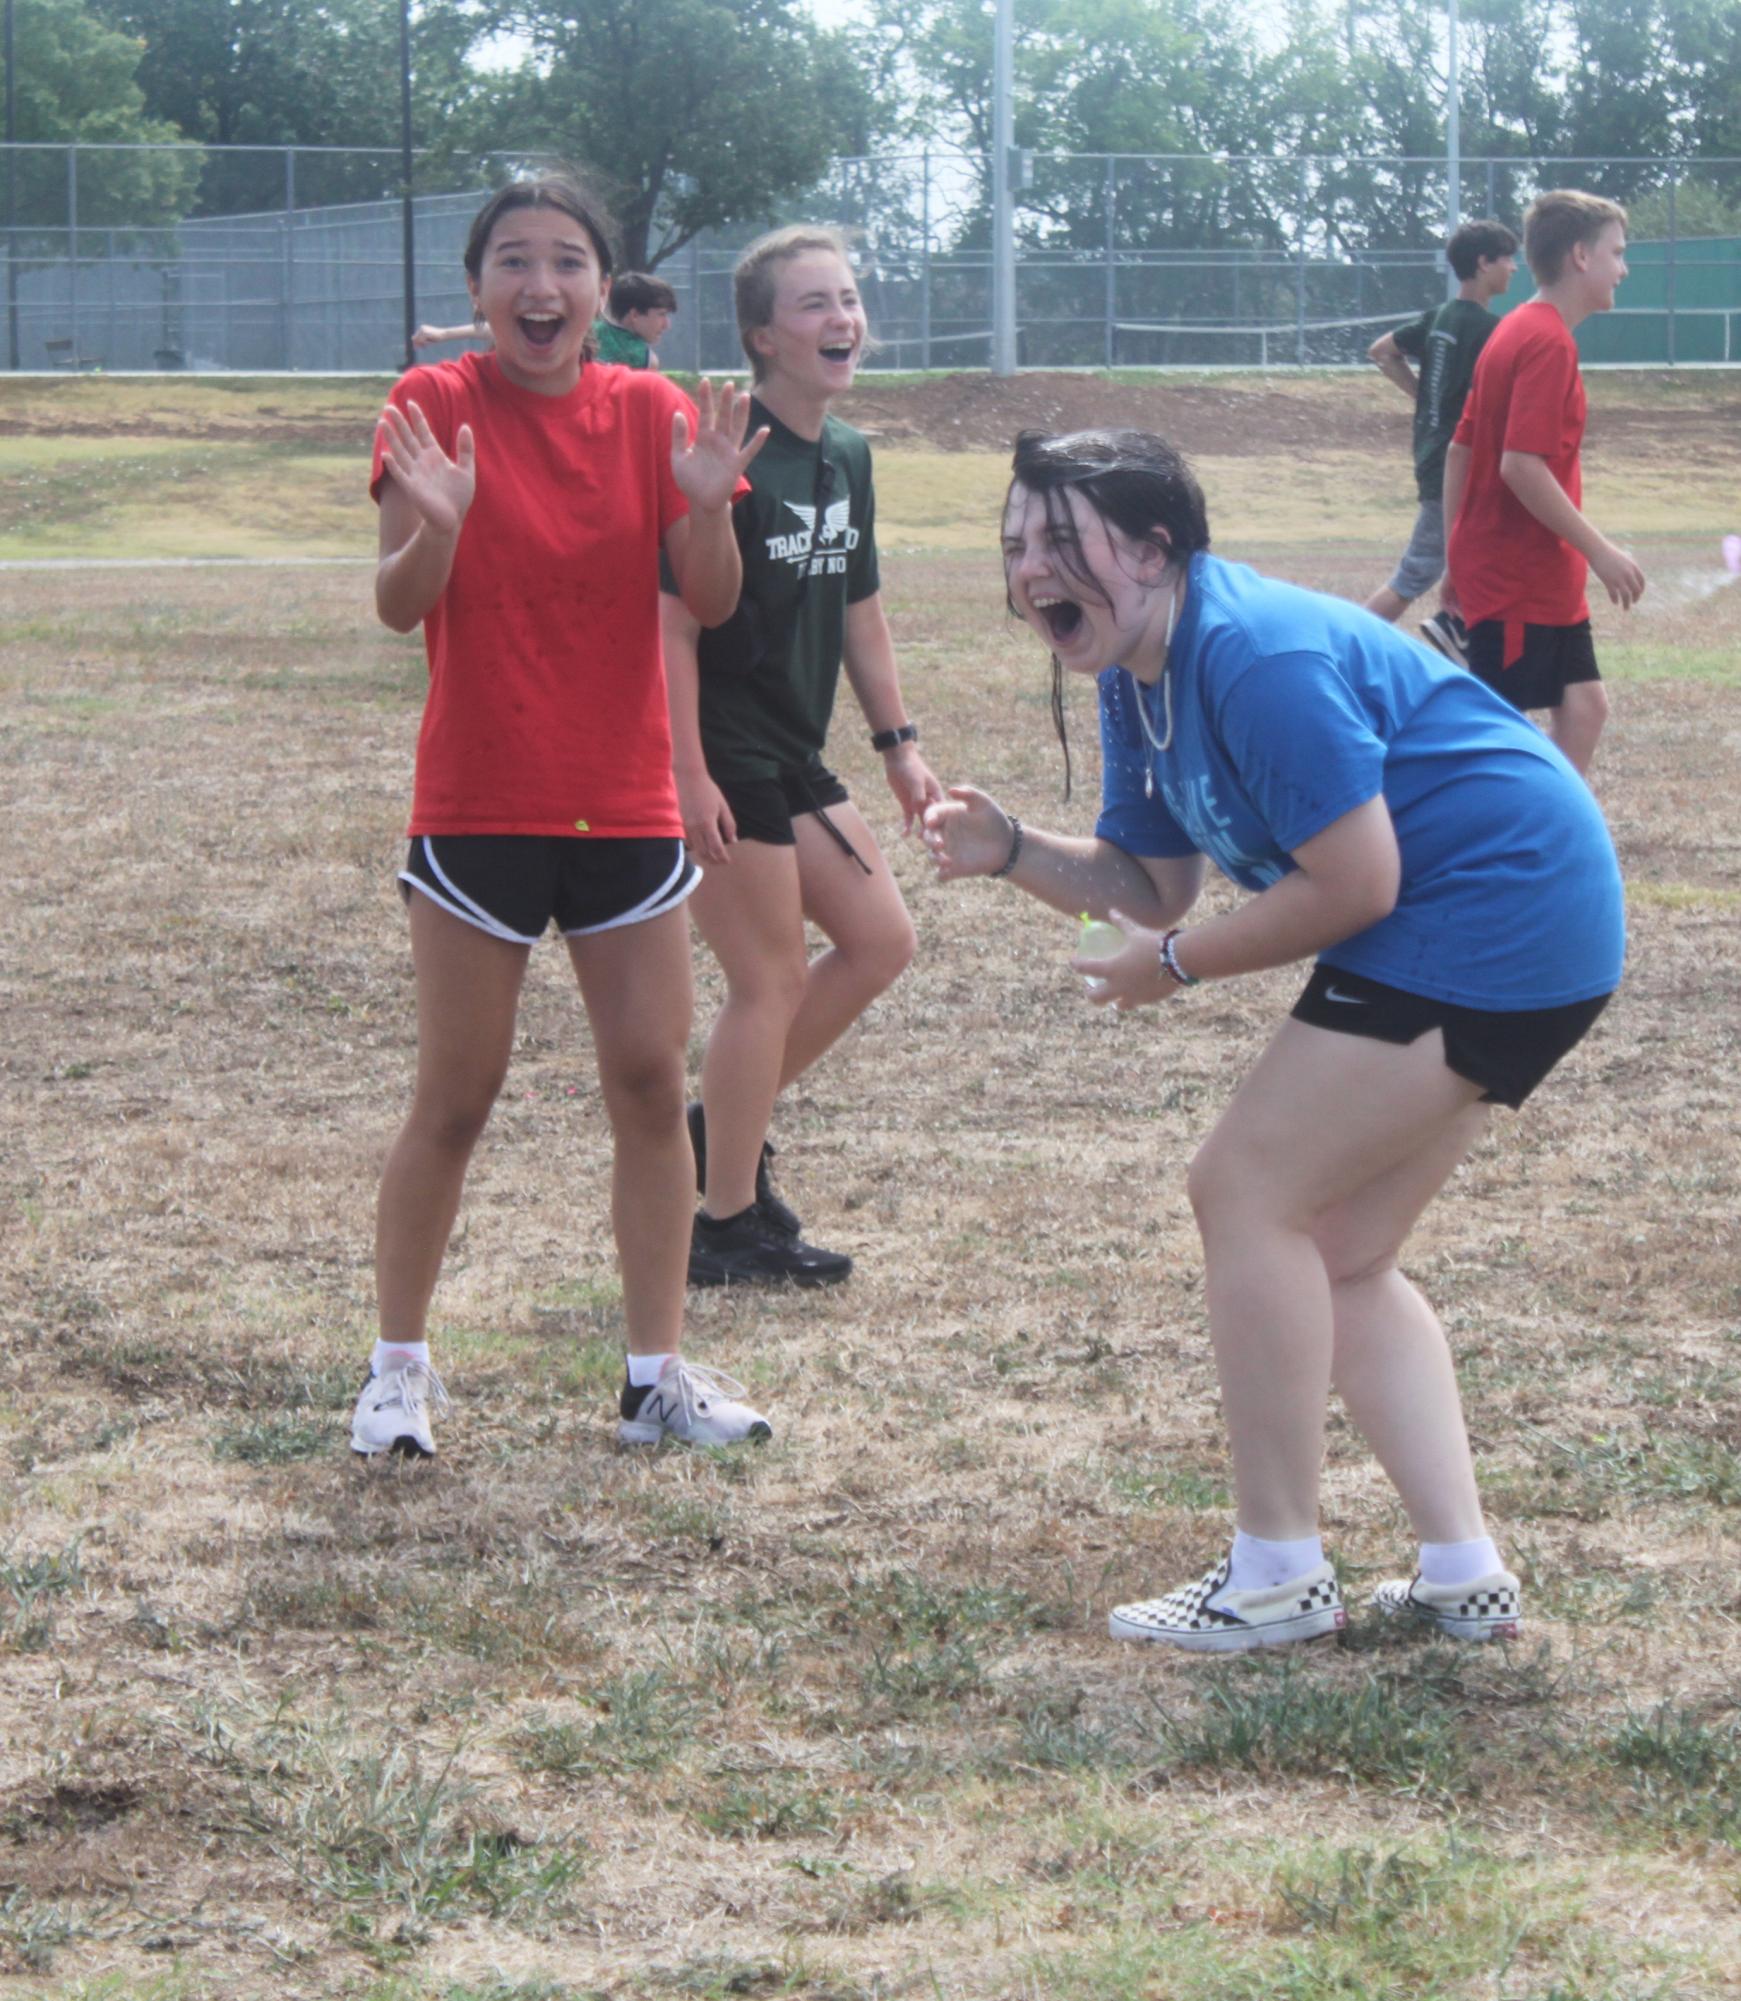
[
  {"x": 1259, "y": 1565},
  {"x": 395, "y": 1354},
  {"x": 1449, "y": 1563},
  {"x": 645, "y": 1370}
]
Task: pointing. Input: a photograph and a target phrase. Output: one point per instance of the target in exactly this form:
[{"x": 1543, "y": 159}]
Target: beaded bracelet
[
  {"x": 1016, "y": 839},
  {"x": 1170, "y": 962}
]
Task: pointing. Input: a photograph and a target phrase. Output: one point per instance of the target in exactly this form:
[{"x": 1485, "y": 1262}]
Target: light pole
[
  {"x": 1003, "y": 220},
  {"x": 1453, "y": 142},
  {"x": 408, "y": 220},
  {"x": 11, "y": 196}
]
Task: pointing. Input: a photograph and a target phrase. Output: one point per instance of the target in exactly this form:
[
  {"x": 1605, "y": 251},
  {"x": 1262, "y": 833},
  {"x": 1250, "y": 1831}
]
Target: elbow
[
  {"x": 1379, "y": 894},
  {"x": 711, "y": 609},
  {"x": 394, "y": 617}
]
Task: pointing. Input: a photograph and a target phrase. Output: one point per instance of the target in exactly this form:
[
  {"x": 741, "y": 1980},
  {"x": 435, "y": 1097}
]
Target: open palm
[
  {"x": 439, "y": 487},
  {"x": 708, "y": 468}
]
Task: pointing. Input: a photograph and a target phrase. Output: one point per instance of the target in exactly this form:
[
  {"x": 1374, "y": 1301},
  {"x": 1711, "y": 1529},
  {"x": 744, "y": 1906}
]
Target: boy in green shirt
[
  {"x": 1444, "y": 343},
  {"x": 633, "y": 323}
]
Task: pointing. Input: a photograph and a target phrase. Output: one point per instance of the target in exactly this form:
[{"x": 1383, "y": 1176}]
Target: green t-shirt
[
  {"x": 775, "y": 717},
  {"x": 617, "y": 344},
  {"x": 1446, "y": 343}
]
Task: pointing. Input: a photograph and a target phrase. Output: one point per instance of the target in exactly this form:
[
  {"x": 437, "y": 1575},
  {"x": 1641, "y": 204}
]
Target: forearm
[
  {"x": 712, "y": 574},
  {"x": 1075, "y": 874},
  {"x": 1295, "y": 918},
  {"x": 1456, "y": 484},
  {"x": 682, "y": 686},
  {"x": 1535, "y": 486},
  {"x": 870, "y": 665},
  {"x": 410, "y": 580}
]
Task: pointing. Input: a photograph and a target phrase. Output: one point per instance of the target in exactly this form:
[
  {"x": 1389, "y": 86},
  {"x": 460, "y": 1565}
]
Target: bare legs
[
  {"x": 636, "y": 982},
  {"x": 636, "y": 985},
  {"x": 468, "y": 988},
  {"x": 781, "y": 1012},
  {"x": 1577, "y": 723},
  {"x": 1304, "y": 1193}
]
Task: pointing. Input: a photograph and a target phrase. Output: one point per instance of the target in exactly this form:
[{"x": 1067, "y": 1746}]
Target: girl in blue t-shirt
[{"x": 1454, "y": 880}]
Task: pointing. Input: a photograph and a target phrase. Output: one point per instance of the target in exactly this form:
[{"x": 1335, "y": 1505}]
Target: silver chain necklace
[{"x": 1158, "y": 744}]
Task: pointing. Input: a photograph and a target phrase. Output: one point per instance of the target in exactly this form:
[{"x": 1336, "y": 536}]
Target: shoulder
[
  {"x": 850, "y": 447},
  {"x": 439, "y": 385}
]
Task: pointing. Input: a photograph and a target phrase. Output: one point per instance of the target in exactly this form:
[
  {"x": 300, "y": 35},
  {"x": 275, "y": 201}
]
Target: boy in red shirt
[{"x": 1519, "y": 546}]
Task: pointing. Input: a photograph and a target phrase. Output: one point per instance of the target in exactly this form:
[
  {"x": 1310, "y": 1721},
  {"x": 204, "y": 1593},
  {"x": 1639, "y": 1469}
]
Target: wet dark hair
[
  {"x": 1475, "y": 240},
  {"x": 1135, "y": 481},
  {"x": 553, "y": 188}
]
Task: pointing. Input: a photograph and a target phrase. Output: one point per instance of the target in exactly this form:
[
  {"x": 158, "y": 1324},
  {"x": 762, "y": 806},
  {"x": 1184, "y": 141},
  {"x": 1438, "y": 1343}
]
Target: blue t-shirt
[{"x": 1289, "y": 710}]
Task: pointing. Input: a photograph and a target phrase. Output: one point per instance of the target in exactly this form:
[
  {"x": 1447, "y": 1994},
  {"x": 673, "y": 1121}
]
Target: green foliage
[
  {"x": 76, "y": 81},
  {"x": 660, "y": 99}
]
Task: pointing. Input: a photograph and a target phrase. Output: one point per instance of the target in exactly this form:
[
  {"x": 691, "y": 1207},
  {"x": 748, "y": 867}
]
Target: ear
[
  {"x": 762, "y": 340},
  {"x": 1156, "y": 556}
]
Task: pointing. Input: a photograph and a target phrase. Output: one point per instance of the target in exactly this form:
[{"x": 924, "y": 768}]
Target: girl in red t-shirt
[{"x": 525, "y": 497}]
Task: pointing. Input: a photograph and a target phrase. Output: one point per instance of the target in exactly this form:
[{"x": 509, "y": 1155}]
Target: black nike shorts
[
  {"x": 1506, "y": 1054},
  {"x": 512, "y": 885}
]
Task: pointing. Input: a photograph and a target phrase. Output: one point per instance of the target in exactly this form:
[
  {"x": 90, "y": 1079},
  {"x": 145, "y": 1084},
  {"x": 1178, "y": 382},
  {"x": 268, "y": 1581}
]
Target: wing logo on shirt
[{"x": 836, "y": 531}]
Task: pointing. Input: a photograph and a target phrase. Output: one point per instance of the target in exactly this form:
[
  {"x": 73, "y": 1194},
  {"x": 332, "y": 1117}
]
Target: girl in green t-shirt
[{"x": 778, "y": 839}]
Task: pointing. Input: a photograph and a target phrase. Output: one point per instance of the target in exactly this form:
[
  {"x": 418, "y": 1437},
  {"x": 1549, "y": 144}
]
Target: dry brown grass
[{"x": 836, "y": 1718}]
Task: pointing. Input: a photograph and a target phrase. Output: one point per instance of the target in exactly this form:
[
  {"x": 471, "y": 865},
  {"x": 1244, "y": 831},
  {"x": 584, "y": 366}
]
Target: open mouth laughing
[
  {"x": 540, "y": 330},
  {"x": 1062, "y": 617}
]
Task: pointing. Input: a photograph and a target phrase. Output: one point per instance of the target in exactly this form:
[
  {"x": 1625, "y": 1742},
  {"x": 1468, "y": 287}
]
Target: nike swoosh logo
[{"x": 1347, "y": 1000}]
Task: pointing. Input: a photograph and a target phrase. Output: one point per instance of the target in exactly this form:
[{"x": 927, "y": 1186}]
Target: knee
[
  {"x": 450, "y": 1118},
  {"x": 1588, "y": 701},
  {"x": 1211, "y": 1184},
  {"x": 644, "y": 1093},
  {"x": 881, "y": 959},
  {"x": 774, "y": 988}
]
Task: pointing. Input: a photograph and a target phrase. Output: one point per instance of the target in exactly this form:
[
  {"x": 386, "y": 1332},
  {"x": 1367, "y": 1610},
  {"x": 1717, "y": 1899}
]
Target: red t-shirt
[
  {"x": 546, "y": 710},
  {"x": 1527, "y": 396}
]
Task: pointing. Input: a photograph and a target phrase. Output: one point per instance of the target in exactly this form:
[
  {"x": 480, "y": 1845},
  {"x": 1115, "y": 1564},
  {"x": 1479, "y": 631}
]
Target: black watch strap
[{"x": 890, "y": 739}]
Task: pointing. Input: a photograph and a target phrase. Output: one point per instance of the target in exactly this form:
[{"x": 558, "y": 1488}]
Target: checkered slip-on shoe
[
  {"x": 1304, "y": 1608},
  {"x": 1489, "y": 1609}
]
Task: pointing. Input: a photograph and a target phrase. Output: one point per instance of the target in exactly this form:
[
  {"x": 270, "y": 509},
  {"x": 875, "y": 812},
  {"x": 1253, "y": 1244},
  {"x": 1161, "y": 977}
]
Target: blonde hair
[
  {"x": 755, "y": 279},
  {"x": 1555, "y": 223}
]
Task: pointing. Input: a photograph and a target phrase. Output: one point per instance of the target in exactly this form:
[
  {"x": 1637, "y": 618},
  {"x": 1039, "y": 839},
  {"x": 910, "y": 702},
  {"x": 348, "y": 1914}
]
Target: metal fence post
[
  {"x": 72, "y": 247},
  {"x": 695, "y": 294},
  {"x": 925, "y": 259},
  {"x": 288, "y": 347},
  {"x": 1111, "y": 268},
  {"x": 1669, "y": 288},
  {"x": 1300, "y": 271}
]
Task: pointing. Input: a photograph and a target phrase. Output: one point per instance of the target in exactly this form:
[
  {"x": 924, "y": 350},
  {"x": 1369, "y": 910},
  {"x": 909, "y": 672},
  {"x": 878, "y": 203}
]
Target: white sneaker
[
  {"x": 1302, "y": 1609},
  {"x": 1489, "y": 1609},
  {"x": 694, "y": 1405},
  {"x": 392, "y": 1414}
]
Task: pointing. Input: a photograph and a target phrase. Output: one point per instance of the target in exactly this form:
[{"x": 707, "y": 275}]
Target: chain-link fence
[{"x": 257, "y": 259}]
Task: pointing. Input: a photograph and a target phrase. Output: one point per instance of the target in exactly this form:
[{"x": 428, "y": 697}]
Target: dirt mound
[{"x": 1233, "y": 418}]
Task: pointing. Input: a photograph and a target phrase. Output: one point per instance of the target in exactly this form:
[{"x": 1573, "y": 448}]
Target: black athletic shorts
[
  {"x": 764, "y": 808},
  {"x": 1506, "y": 1054},
  {"x": 512, "y": 885},
  {"x": 1553, "y": 658}
]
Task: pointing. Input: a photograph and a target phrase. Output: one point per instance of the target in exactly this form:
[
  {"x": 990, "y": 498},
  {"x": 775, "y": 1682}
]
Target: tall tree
[
  {"x": 694, "y": 113},
  {"x": 76, "y": 81},
  {"x": 273, "y": 73}
]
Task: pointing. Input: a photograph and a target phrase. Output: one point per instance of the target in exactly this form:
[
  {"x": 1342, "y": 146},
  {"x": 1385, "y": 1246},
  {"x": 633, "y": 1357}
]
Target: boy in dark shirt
[
  {"x": 1520, "y": 546},
  {"x": 1444, "y": 344}
]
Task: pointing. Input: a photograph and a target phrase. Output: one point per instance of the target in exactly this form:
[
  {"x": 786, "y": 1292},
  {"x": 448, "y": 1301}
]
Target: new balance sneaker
[
  {"x": 1489, "y": 1609},
  {"x": 392, "y": 1414},
  {"x": 749, "y": 1249},
  {"x": 1447, "y": 632},
  {"x": 1302, "y": 1609},
  {"x": 693, "y": 1405},
  {"x": 781, "y": 1214}
]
